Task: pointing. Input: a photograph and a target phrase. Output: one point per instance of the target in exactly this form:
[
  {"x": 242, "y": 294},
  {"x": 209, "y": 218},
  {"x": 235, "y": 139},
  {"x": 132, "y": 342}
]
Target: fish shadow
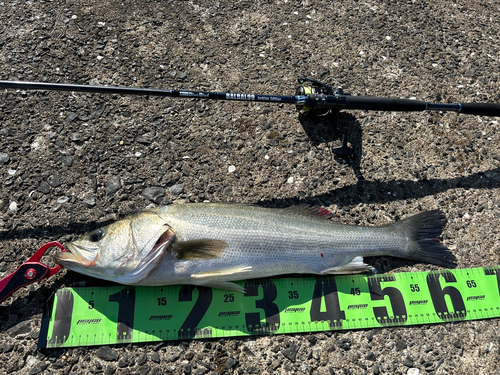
[
  {"x": 27, "y": 306},
  {"x": 364, "y": 191},
  {"x": 53, "y": 231}
]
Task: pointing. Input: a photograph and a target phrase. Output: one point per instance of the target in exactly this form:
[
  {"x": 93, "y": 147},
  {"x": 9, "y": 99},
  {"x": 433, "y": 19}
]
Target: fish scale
[{"x": 214, "y": 244}]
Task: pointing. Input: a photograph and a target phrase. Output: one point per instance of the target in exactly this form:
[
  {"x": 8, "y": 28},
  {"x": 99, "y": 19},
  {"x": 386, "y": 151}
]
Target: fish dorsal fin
[
  {"x": 308, "y": 209},
  {"x": 204, "y": 248}
]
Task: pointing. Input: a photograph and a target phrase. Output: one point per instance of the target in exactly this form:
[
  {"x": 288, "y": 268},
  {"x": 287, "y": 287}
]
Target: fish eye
[{"x": 97, "y": 235}]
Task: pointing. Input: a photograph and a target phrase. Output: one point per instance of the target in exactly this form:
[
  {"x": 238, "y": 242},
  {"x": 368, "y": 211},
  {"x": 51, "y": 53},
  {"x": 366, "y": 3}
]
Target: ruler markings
[{"x": 123, "y": 314}]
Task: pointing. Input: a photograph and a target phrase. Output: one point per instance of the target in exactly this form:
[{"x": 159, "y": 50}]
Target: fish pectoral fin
[
  {"x": 204, "y": 248},
  {"x": 354, "y": 266},
  {"x": 224, "y": 285},
  {"x": 226, "y": 272}
]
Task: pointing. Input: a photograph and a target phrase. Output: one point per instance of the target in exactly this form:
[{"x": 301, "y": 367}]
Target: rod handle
[
  {"x": 383, "y": 104},
  {"x": 481, "y": 109}
]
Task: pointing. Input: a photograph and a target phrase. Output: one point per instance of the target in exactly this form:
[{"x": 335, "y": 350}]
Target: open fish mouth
[{"x": 77, "y": 254}]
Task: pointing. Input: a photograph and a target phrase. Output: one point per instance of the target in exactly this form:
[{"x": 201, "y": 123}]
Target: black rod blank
[{"x": 145, "y": 91}]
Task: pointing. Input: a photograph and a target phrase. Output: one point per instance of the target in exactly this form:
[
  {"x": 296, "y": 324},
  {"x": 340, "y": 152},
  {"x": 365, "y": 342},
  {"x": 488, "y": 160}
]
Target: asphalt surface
[{"x": 71, "y": 162}]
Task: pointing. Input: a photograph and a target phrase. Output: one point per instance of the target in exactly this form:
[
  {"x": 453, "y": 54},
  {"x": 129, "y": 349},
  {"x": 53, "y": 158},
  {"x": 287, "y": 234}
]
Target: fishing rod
[{"x": 312, "y": 97}]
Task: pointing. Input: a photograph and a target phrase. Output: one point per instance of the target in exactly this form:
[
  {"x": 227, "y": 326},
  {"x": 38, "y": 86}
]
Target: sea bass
[{"x": 213, "y": 244}]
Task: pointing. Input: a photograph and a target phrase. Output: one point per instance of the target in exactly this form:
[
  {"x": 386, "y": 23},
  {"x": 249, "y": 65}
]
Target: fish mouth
[
  {"x": 81, "y": 255},
  {"x": 77, "y": 254}
]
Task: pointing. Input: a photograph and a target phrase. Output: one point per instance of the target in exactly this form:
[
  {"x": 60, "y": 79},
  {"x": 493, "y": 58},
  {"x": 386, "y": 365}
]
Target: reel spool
[{"x": 312, "y": 88}]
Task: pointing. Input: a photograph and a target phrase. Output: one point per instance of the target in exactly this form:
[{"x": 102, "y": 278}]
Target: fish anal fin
[
  {"x": 356, "y": 265},
  {"x": 219, "y": 273},
  {"x": 204, "y": 248},
  {"x": 311, "y": 210},
  {"x": 224, "y": 285}
]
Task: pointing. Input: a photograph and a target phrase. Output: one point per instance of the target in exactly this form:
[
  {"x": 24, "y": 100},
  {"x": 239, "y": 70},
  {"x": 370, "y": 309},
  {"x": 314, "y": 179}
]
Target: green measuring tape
[{"x": 123, "y": 314}]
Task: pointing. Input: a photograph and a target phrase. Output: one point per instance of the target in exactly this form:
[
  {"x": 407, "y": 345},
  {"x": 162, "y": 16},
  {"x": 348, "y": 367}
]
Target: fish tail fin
[{"x": 423, "y": 231}]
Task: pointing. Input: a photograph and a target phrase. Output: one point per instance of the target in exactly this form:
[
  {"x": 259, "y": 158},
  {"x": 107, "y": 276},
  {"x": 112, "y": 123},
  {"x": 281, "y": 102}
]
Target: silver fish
[{"x": 213, "y": 244}]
